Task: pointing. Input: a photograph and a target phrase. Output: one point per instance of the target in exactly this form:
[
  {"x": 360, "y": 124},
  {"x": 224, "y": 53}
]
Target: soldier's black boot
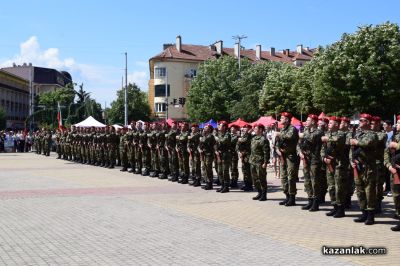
[
  {"x": 221, "y": 188},
  {"x": 138, "y": 171},
  {"x": 340, "y": 212},
  {"x": 258, "y": 196},
  {"x": 285, "y": 200},
  {"x": 233, "y": 184},
  {"x": 145, "y": 172},
  {"x": 184, "y": 180},
  {"x": 309, "y": 204},
  {"x": 370, "y": 218},
  {"x": 209, "y": 186},
  {"x": 315, "y": 205},
  {"x": 124, "y": 169},
  {"x": 291, "y": 201},
  {"x": 378, "y": 209},
  {"x": 175, "y": 178},
  {"x": 362, "y": 218},
  {"x": 156, "y": 174},
  {"x": 197, "y": 182},
  {"x": 322, "y": 198},
  {"x": 396, "y": 228},
  {"x": 263, "y": 196},
  {"x": 226, "y": 188},
  {"x": 347, "y": 205},
  {"x": 333, "y": 211}
]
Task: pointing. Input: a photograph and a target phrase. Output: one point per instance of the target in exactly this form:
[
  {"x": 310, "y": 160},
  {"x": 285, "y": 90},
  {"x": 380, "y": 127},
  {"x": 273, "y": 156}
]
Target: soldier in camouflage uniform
[
  {"x": 335, "y": 160},
  {"x": 206, "y": 150},
  {"x": 194, "y": 156},
  {"x": 391, "y": 153},
  {"x": 47, "y": 140},
  {"x": 112, "y": 144},
  {"x": 259, "y": 158},
  {"x": 131, "y": 147},
  {"x": 152, "y": 142},
  {"x": 138, "y": 148},
  {"x": 349, "y": 186},
  {"x": 224, "y": 156},
  {"x": 101, "y": 140},
  {"x": 244, "y": 148},
  {"x": 59, "y": 143},
  {"x": 171, "y": 137},
  {"x": 123, "y": 148},
  {"x": 310, "y": 153},
  {"x": 183, "y": 154},
  {"x": 235, "y": 157},
  {"x": 322, "y": 125},
  {"x": 143, "y": 144},
  {"x": 162, "y": 151},
  {"x": 380, "y": 168},
  {"x": 92, "y": 145},
  {"x": 286, "y": 144},
  {"x": 364, "y": 162}
]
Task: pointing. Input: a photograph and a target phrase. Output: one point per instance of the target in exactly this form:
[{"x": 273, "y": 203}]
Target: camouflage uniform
[
  {"x": 143, "y": 136},
  {"x": 183, "y": 156},
  {"x": 223, "y": 149},
  {"x": 259, "y": 157},
  {"x": 152, "y": 143},
  {"x": 163, "y": 154},
  {"x": 195, "y": 164},
  {"x": 206, "y": 148},
  {"x": 388, "y": 157},
  {"x": 172, "y": 154},
  {"x": 244, "y": 148},
  {"x": 123, "y": 149},
  {"x": 380, "y": 168},
  {"x": 235, "y": 161}
]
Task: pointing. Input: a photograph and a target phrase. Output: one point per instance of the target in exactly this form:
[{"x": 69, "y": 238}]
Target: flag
[{"x": 59, "y": 117}]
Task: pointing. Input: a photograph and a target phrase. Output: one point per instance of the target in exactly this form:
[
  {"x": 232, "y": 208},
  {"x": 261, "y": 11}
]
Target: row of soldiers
[
  {"x": 336, "y": 159},
  {"x": 42, "y": 141}
]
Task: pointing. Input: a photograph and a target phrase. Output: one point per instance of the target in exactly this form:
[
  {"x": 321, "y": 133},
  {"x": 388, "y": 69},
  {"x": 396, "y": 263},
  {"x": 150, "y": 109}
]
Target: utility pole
[
  {"x": 126, "y": 88},
  {"x": 239, "y": 38}
]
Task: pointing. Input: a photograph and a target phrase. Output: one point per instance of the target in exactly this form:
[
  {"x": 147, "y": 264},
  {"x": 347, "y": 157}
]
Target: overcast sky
[{"x": 89, "y": 38}]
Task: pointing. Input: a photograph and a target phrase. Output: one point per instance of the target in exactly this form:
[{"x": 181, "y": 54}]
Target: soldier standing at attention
[
  {"x": 131, "y": 147},
  {"x": 310, "y": 153},
  {"x": 349, "y": 180},
  {"x": 138, "y": 148},
  {"x": 143, "y": 144},
  {"x": 235, "y": 157},
  {"x": 259, "y": 158},
  {"x": 336, "y": 167},
  {"x": 123, "y": 148},
  {"x": 183, "y": 155},
  {"x": 171, "y": 137},
  {"x": 152, "y": 144},
  {"x": 380, "y": 168},
  {"x": 244, "y": 149},
  {"x": 364, "y": 162},
  {"x": 162, "y": 151},
  {"x": 224, "y": 156},
  {"x": 286, "y": 149},
  {"x": 193, "y": 145},
  {"x": 322, "y": 125},
  {"x": 206, "y": 149},
  {"x": 391, "y": 156},
  {"x": 59, "y": 143}
]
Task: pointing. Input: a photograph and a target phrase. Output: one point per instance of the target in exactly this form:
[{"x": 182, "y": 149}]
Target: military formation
[{"x": 337, "y": 159}]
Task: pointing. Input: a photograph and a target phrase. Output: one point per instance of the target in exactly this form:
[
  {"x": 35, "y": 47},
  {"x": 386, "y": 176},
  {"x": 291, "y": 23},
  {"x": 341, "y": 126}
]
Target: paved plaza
[{"x": 55, "y": 212}]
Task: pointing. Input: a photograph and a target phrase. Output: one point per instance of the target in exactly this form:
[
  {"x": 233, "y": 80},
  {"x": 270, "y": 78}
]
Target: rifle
[
  {"x": 395, "y": 158},
  {"x": 303, "y": 147},
  {"x": 328, "y": 156}
]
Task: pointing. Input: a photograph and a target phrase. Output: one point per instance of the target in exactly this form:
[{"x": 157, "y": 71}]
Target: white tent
[
  {"x": 89, "y": 122},
  {"x": 116, "y": 126}
]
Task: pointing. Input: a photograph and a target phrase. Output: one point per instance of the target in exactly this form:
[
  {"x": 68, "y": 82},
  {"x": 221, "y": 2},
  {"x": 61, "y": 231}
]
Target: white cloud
[
  {"x": 101, "y": 81},
  {"x": 140, "y": 78}
]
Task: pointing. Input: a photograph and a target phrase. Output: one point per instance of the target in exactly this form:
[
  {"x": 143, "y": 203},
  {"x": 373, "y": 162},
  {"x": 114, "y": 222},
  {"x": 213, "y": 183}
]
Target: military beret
[
  {"x": 247, "y": 126},
  {"x": 324, "y": 119},
  {"x": 224, "y": 123},
  {"x": 345, "y": 119},
  {"x": 313, "y": 117},
  {"x": 376, "y": 119},
  {"x": 194, "y": 125},
  {"x": 366, "y": 116},
  {"x": 235, "y": 126},
  {"x": 286, "y": 114},
  {"x": 335, "y": 118},
  {"x": 208, "y": 126},
  {"x": 260, "y": 126}
]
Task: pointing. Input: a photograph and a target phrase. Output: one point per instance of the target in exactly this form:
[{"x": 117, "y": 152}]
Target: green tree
[
  {"x": 138, "y": 106},
  {"x": 212, "y": 93},
  {"x": 249, "y": 87},
  {"x": 361, "y": 72},
  {"x": 278, "y": 93},
  {"x": 2, "y": 119}
]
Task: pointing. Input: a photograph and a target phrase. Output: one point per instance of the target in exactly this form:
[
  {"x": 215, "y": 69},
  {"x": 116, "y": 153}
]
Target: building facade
[
  {"x": 172, "y": 71},
  {"x": 14, "y": 99}
]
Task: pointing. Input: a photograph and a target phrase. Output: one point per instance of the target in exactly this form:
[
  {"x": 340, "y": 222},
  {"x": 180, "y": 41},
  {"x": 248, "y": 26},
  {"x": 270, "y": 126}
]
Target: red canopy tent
[
  {"x": 239, "y": 123},
  {"x": 170, "y": 121},
  {"x": 265, "y": 121}
]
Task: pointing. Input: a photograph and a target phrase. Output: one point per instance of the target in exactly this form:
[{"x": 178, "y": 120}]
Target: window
[
  {"x": 160, "y": 72},
  {"x": 160, "y": 107},
  {"x": 159, "y": 90},
  {"x": 191, "y": 73}
]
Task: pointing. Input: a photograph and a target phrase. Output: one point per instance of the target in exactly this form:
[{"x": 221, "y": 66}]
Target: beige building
[
  {"x": 172, "y": 71},
  {"x": 14, "y": 99}
]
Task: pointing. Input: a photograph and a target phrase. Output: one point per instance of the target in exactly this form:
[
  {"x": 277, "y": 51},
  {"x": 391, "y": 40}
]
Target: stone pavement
[{"x": 55, "y": 212}]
